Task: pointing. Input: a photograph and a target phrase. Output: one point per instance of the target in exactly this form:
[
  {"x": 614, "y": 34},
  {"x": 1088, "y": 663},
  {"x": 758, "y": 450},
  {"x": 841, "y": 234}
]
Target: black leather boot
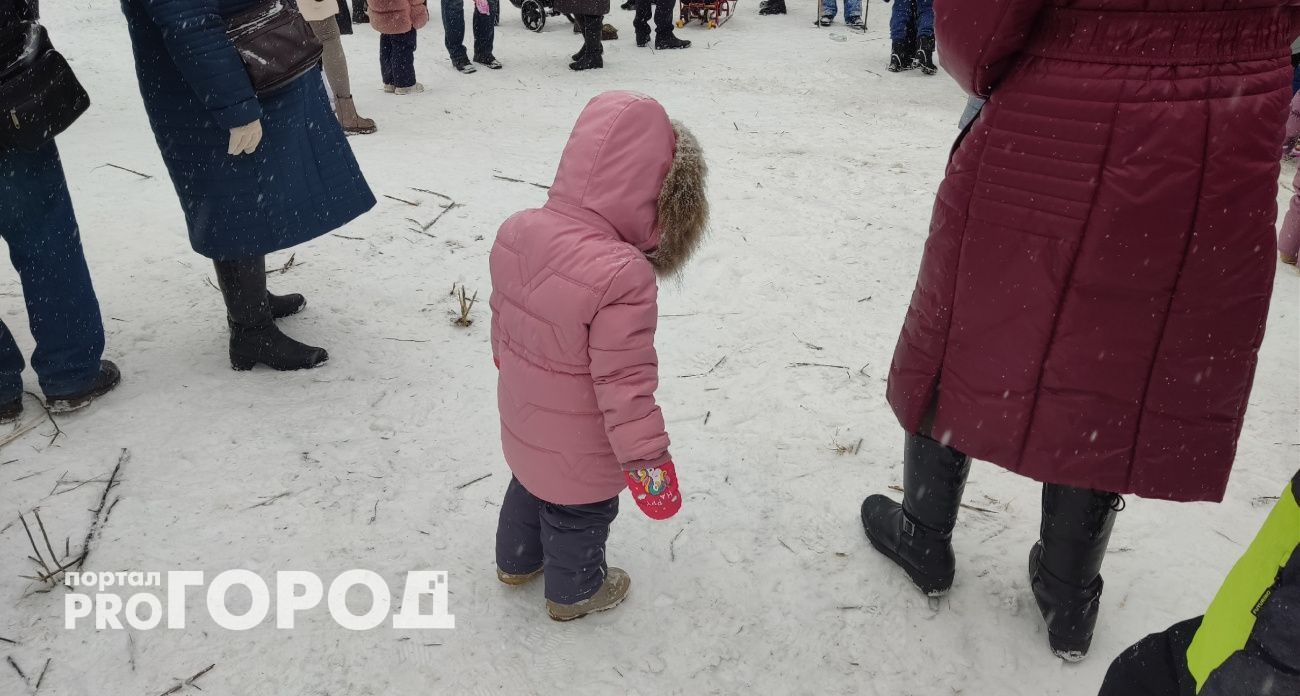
[
  {"x": 107, "y": 379},
  {"x": 917, "y": 535},
  {"x": 1065, "y": 564},
  {"x": 925, "y": 55},
  {"x": 592, "y": 54},
  {"x": 254, "y": 337}
]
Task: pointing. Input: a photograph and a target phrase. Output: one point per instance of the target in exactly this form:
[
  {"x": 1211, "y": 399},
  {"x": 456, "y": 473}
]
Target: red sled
[{"x": 710, "y": 13}]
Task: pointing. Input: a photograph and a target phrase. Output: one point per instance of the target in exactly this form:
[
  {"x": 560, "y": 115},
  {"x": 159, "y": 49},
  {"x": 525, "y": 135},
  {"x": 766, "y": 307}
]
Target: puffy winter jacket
[
  {"x": 574, "y": 301},
  {"x": 398, "y": 16},
  {"x": 1095, "y": 286}
]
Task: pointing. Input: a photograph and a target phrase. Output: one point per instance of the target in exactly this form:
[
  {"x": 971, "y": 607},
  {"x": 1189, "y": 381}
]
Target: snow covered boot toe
[
  {"x": 285, "y": 305},
  {"x": 1065, "y": 564},
  {"x": 11, "y": 411},
  {"x": 611, "y": 594},
  {"x": 917, "y": 534},
  {"x": 517, "y": 579},
  {"x": 825, "y": 21},
  {"x": 490, "y": 61},
  {"x": 107, "y": 379}
]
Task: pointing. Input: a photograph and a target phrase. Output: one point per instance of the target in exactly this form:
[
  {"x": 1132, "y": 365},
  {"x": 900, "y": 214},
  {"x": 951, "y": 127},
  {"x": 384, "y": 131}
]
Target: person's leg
[
  {"x": 254, "y": 337},
  {"x": 519, "y": 533},
  {"x": 924, "y": 18},
  {"x": 38, "y": 222},
  {"x": 453, "y": 28},
  {"x": 333, "y": 61},
  {"x": 917, "y": 534},
  {"x": 641, "y": 22},
  {"x": 664, "y": 17},
  {"x": 404, "y": 59},
  {"x": 899, "y": 19},
  {"x": 592, "y": 53},
  {"x": 573, "y": 541},
  {"x": 1065, "y": 564},
  {"x": 485, "y": 32},
  {"x": 11, "y": 376},
  {"x": 852, "y": 11},
  {"x": 830, "y": 9},
  {"x": 1288, "y": 242},
  {"x": 386, "y": 59}
]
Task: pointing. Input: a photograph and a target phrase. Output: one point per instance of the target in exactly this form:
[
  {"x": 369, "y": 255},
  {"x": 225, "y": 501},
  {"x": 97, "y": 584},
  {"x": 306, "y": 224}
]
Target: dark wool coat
[
  {"x": 1095, "y": 285},
  {"x": 302, "y": 181}
]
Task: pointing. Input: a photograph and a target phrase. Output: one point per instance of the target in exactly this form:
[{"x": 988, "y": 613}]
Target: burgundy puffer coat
[{"x": 1095, "y": 286}]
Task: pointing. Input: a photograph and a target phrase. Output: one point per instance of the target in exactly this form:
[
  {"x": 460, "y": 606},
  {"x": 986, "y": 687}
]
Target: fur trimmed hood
[
  {"x": 639, "y": 173},
  {"x": 683, "y": 205}
]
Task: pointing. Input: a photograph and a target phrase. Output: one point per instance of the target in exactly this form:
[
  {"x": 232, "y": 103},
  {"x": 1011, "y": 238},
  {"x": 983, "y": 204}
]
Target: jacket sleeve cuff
[
  {"x": 651, "y": 463},
  {"x": 236, "y": 115}
]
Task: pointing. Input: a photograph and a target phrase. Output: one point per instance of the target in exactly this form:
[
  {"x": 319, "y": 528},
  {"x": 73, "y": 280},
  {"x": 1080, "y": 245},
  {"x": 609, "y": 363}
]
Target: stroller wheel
[{"x": 534, "y": 14}]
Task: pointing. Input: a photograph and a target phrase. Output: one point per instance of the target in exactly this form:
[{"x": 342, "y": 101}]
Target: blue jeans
[
  {"x": 901, "y": 20},
  {"x": 852, "y": 8},
  {"x": 38, "y": 224},
  {"x": 397, "y": 59},
  {"x": 453, "y": 26}
]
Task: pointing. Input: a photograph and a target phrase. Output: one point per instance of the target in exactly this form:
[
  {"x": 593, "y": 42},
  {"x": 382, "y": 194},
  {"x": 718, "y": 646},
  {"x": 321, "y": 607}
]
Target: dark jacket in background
[{"x": 583, "y": 7}]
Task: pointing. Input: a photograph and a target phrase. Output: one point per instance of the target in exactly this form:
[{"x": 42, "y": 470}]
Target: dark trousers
[
  {"x": 567, "y": 541},
  {"x": 663, "y": 14},
  {"x": 453, "y": 26},
  {"x": 1155, "y": 665},
  {"x": 38, "y": 224},
  {"x": 590, "y": 27},
  {"x": 397, "y": 59}
]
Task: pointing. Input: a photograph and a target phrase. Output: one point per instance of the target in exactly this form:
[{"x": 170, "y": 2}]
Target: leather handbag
[
  {"x": 39, "y": 94},
  {"x": 276, "y": 44}
]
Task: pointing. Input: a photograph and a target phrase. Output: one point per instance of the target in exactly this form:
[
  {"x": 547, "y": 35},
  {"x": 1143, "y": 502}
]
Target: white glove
[{"x": 245, "y": 139}]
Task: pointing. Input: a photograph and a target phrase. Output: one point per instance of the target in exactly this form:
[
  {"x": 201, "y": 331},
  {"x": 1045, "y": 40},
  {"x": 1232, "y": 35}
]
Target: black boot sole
[
  {"x": 927, "y": 586},
  {"x": 241, "y": 363}
]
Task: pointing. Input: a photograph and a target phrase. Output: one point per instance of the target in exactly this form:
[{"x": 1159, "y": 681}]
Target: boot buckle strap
[{"x": 909, "y": 527}]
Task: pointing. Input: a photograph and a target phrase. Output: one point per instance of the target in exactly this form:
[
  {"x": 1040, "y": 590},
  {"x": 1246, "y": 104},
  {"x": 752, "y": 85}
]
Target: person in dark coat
[
  {"x": 589, "y": 18},
  {"x": 254, "y": 175},
  {"x": 39, "y": 226},
  {"x": 665, "y": 39},
  {"x": 1094, "y": 289}
]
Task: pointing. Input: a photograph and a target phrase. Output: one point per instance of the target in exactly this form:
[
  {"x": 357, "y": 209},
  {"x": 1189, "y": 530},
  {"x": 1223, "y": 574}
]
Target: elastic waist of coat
[{"x": 1161, "y": 38}]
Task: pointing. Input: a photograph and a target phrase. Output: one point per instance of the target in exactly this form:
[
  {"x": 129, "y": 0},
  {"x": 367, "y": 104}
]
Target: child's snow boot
[
  {"x": 667, "y": 41},
  {"x": 771, "y": 7},
  {"x": 917, "y": 535},
  {"x": 925, "y": 55},
  {"x": 611, "y": 594},
  {"x": 1065, "y": 564},
  {"x": 900, "y": 58}
]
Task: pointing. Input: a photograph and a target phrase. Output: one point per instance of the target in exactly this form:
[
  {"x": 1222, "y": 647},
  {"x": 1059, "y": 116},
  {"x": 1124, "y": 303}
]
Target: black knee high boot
[
  {"x": 917, "y": 535},
  {"x": 592, "y": 54},
  {"x": 254, "y": 337},
  {"x": 1065, "y": 564}
]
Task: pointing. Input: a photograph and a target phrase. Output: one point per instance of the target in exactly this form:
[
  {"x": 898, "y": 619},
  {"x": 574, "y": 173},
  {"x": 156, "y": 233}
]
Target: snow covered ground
[{"x": 823, "y": 172}]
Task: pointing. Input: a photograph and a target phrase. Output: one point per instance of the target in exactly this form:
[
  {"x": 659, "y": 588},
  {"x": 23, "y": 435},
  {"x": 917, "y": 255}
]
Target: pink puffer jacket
[
  {"x": 574, "y": 301},
  {"x": 398, "y": 16}
]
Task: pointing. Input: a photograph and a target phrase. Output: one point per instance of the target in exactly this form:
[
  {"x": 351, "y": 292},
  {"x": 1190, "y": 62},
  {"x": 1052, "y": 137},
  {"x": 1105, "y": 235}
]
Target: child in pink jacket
[
  {"x": 398, "y": 21},
  {"x": 1288, "y": 242},
  {"x": 574, "y": 310}
]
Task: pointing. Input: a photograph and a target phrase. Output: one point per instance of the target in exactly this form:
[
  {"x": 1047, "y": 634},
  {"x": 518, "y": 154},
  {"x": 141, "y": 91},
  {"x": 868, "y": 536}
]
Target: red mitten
[{"x": 655, "y": 491}]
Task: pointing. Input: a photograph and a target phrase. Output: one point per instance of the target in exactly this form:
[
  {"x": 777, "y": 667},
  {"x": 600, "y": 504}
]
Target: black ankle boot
[
  {"x": 667, "y": 41},
  {"x": 1065, "y": 564},
  {"x": 901, "y": 57},
  {"x": 925, "y": 55},
  {"x": 285, "y": 305},
  {"x": 253, "y": 336},
  {"x": 917, "y": 535},
  {"x": 107, "y": 379}
]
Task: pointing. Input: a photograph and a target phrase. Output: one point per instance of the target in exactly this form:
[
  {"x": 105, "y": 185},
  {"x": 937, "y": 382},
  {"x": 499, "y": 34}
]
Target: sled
[{"x": 710, "y": 13}]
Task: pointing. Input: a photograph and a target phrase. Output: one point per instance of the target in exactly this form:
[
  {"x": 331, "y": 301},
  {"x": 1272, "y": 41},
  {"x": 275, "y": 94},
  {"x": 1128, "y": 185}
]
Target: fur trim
[{"x": 683, "y": 206}]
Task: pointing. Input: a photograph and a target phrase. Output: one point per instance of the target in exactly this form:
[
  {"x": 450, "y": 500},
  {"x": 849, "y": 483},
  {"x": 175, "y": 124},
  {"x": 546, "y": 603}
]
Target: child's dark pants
[
  {"x": 397, "y": 59},
  {"x": 568, "y": 541}
]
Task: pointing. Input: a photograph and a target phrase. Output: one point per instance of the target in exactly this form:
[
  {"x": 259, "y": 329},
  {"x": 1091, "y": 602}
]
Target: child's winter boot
[
  {"x": 1065, "y": 564},
  {"x": 611, "y": 594},
  {"x": 515, "y": 580},
  {"x": 900, "y": 58},
  {"x": 925, "y": 55},
  {"x": 917, "y": 535},
  {"x": 667, "y": 41}
]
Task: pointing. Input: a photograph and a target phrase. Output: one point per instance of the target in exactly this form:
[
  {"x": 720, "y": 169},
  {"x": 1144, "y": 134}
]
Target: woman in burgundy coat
[{"x": 1095, "y": 285}]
